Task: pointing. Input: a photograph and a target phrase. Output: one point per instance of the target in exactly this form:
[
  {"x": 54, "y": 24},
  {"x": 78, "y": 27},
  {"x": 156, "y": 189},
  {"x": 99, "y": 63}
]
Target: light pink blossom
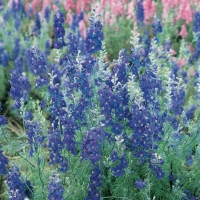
[
  {"x": 149, "y": 10},
  {"x": 183, "y": 31}
]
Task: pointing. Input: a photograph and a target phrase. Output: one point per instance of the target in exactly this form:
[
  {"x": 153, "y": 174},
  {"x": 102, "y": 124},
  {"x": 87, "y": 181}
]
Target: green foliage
[
  {"x": 2, "y": 84},
  {"x": 117, "y": 37}
]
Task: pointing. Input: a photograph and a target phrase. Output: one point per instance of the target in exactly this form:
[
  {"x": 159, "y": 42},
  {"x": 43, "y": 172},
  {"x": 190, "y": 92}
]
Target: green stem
[
  {"x": 8, "y": 142},
  {"x": 190, "y": 180}
]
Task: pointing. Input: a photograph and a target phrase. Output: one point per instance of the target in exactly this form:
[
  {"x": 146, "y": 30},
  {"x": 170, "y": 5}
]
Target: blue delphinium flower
[
  {"x": 47, "y": 47},
  {"x": 157, "y": 170},
  {"x": 92, "y": 144},
  {"x": 55, "y": 188},
  {"x": 75, "y": 22},
  {"x": 17, "y": 188},
  {"x": 59, "y": 31},
  {"x": 3, "y": 163},
  {"x": 178, "y": 97},
  {"x": 35, "y": 135},
  {"x": 140, "y": 184},
  {"x": 38, "y": 66},
  {"x": 119, "y": 169},
  {"x": 4, "y": 56},
  {"x": 1, "y": 5},
  {"x": 190, "y": 112},
  {"x": 7, "y": 15},
  {"x": 56, "y": 145},
  {"x": 196, "y": 26},
  {"x": 156, "y": 26},
  {"x": 16, "y": 50},
  {"x": 47, "y": 13},
  {"x": 188, "y": 196},
  {"x": 140, "y": 12},
  {"x": 17, "y": 22},
  {"x": 20, "y": 86},
  {"x": 94, "y": 35},
  {"x": 150, "y": 84},
  {"x": 196, "y": 54},
  {"x": 37, "y": 26},
  {"x": 95, "y": 183},
  {"x": 3, "y": 119},
  {"x": 72, "y": 44},
  {"x": 38, "y": 63}
]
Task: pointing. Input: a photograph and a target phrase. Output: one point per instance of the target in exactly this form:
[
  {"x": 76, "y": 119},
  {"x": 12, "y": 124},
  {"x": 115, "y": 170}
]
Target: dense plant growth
[{"x": 73, "y": 126}]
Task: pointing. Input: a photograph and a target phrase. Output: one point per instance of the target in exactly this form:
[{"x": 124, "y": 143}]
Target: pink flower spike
[
  {"x": 182, "y": 62},
  {"x": 173, "y": 52},
  {"x": 107, "y": 17},
  {"x": 68, "y": 18},
  {"x": 149, "y": 10},
  {"x": 183, "y": 31},
  {"x": 54, "y": 7}
]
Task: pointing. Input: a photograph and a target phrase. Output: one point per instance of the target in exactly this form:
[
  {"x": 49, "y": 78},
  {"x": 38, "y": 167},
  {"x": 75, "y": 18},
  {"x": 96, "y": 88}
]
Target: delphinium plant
[
  {"x": 19, "y": 30},
  {"x": 118, "y": 18},
  {"x": 100, "y": 133}
]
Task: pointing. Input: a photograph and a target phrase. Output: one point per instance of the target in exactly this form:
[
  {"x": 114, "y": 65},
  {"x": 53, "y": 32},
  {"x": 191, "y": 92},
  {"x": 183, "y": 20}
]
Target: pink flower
[
  {"x": 149, "y": 10},
  {"x": 68, "y": 18},
  {"x": 185, "y": 11},
  {"x": 190, "y": 72},
  {"x": 130, "y": 11},
  {"x": 103, "y": 3},
  {"x": 191, "y": 48},
  {"x": 182, "y": 62},
  {"x": 82, "y": 28},
  {"x": 107, "y": 17},
  {"x": 116, "y": 7},
  {"x": 54, "y": 7},
  {"x": 183, "y": 31},
  {"x": 36, "y": 5},
  {"x": 173, "y": 52},
  {"x": 68, "y": 5}
]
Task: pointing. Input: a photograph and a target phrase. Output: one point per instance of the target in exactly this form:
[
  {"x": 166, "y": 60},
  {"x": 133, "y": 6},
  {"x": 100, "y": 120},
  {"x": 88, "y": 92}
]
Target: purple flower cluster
[
  {"x": 3, "y": 119},
  {"x": 16, "y": 50},
  {"x": 56, "y": 145},
  {"x": 20, "y": 85},
  {"x": 47, "y": 11},
  {"x": 94, "y": 35},
  {"x": 18, "y": 189},
  {"x": 196, "y": 54},
  {"x": 38, "y": 63},
  {"x": 95, "y": 183},
  {"x": 140, "y": 12},
  {"x": 35, "y": 135},
  {"x": 4, "y": 56},
  {"x": 140, "y": 184},
  {"x": 92, "y": 144},
  {"x": 59, "y": 31},
  {"x": 147, "y": 130},
  {"x": 149, "y": 83},
  {"x": 72, "y": 44},
  {"x": 156, "y": 26},
  {"x": 55, "y": 188},
  {"x": 37, "y": 26},
  {"x": 188, "y": 196},
  {"x": 75, "y": 20},
  {"x": 119, "y": 169},
  {"x": 3, "y": 163},
  {"x": 178, "y": 96},
  {"x": 196, "y": 26},
  {"x": 38, "y": 66}
]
